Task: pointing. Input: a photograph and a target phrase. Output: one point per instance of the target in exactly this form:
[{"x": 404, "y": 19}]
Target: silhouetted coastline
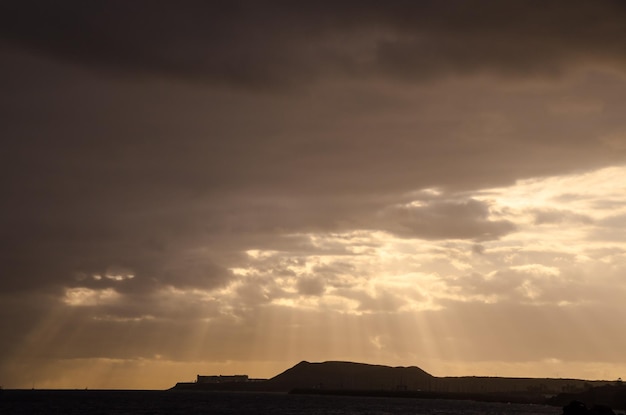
[{"x": 359, "y": 379}]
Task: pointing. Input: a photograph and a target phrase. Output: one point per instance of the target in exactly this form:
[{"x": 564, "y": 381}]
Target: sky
[{"x": 231, "y": 187}]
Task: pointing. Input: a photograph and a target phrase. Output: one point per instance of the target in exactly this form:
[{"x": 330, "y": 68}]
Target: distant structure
[{"x": 222, "y": 379}]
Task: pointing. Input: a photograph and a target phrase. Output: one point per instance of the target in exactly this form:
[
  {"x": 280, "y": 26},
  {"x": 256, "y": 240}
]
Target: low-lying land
[{"x": 359, "y": 379}]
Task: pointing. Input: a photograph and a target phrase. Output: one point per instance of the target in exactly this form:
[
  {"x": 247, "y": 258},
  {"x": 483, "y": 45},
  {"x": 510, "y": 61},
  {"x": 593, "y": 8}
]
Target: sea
[{"x": 107, "y": 402}]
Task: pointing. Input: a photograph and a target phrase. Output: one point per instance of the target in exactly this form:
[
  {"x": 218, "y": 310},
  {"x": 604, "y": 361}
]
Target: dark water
[{"x": 222, "y": 403}]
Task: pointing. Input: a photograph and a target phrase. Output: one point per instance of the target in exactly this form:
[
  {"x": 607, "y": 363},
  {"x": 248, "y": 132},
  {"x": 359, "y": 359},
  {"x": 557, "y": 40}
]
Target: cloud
[
  {"x": 268, "y": 172},
  {"x": 445, "y": 220},
  {"x": 531, "y": 283},
  {"x": 310, "y": 286},
  {"x": 247, "y": 43},
  {"x": 555, "y": 216}
]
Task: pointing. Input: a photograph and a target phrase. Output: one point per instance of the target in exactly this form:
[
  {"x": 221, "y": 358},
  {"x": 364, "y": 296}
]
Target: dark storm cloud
[
  {"x": 276, "y": 42},
  {"x": 100, "y": 172},
  {"x": 445, "y": 220}
]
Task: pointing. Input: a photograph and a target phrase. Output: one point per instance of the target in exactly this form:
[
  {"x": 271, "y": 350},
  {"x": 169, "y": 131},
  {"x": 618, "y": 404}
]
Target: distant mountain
[{"x": 349, "y": 375}]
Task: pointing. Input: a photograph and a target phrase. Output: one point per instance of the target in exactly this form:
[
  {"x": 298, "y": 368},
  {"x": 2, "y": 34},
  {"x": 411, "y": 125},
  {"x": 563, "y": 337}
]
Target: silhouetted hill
[{"x": 348, "y": 375}]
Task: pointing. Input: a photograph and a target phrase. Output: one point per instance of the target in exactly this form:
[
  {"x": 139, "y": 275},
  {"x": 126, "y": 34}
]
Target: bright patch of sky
[{"x": 562, "y": 240}]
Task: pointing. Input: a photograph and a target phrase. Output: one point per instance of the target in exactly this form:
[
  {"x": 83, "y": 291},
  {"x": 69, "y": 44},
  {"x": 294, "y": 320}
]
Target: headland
[{"x": 360, "y": 379}]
